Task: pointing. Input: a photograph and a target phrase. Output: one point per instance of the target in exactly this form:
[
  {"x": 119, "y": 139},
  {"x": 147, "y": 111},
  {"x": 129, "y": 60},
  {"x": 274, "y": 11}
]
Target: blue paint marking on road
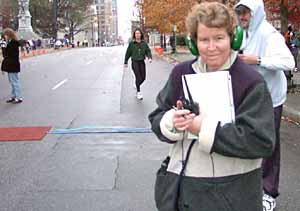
[{"x": 100, "y": 130}]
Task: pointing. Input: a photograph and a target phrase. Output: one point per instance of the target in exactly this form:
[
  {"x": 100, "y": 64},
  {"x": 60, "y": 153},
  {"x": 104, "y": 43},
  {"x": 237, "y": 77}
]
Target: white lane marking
[
  {"x": 59, "y": 84},
  {"x": 89, "y": 62}
]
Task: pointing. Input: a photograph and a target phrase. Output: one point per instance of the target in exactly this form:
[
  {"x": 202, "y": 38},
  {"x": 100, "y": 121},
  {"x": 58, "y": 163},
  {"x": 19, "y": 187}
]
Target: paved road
[{"x": 95, "y": 172}]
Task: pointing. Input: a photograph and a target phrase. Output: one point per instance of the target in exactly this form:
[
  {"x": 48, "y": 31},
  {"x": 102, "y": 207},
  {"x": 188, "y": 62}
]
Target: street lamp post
[
  {"x": 97, "y": 18},
  {"x": 174, "y": 37},
  {"x": 93, "y": 33},
  {"x": 54, "y": 21},
  {"x": 164, "y": 42},
  {"x": 98, "y": 28}
]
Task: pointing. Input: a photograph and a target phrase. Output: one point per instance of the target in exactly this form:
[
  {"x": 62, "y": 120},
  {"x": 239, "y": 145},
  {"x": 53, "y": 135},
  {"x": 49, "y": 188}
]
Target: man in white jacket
[{"x": 264, "y": 47}]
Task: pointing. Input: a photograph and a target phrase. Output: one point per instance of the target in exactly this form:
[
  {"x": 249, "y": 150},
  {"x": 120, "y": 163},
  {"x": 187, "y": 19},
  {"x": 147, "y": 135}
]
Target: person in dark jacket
[
  {"x": 294, "y": 48},
  {"x": 223, "y": 171},
  {"x": 138, "y": 49},
  {"x": 11, "y": 65}
]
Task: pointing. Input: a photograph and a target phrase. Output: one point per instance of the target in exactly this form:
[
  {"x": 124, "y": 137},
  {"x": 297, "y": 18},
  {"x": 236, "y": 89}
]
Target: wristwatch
[{"x": 259, "y": 61}]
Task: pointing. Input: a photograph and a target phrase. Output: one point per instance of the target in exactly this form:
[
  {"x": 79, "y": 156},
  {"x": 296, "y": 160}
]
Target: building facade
[
  {"x": 101, "y": 25},
  {"x": 115, "y": 33},
  {"x": 107, "y": 18}
]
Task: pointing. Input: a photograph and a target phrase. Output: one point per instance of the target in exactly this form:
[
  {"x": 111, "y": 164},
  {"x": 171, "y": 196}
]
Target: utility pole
[
  {"x": 55, "y": 11},
  {"x": 92, "y": 31},
  {"x": 98, "y": 28},
  {"x": 174, "y": 37}
]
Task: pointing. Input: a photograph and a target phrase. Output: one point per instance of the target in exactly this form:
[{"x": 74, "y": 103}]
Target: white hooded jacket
[{"x": 265, "y": 41}]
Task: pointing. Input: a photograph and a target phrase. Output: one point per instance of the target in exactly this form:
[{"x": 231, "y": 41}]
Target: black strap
[
  {"x": 188, "y": 90},
  {"x": 182, "y": 172},
  {"x": 187, "y": 158}
]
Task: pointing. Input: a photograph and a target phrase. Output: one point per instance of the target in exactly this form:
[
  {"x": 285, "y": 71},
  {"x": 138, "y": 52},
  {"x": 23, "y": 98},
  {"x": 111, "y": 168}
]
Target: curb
[
  {"x": 288, "y": 112},
  {"x": 291, "y": 113},
  {"x": 40, "y": 52}
]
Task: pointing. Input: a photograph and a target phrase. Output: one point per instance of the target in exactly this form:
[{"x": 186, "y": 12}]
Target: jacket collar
[{"x": 200, "y": 67}]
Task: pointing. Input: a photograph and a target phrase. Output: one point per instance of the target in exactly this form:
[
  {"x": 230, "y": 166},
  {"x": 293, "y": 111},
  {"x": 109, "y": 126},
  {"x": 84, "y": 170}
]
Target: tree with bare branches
[{"x": 9, "y": 11}]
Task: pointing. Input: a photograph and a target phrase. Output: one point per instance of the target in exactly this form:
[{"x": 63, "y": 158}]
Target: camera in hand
[
  {"x": 189, "y": 104},
  {"x": 192, "y": 106}
]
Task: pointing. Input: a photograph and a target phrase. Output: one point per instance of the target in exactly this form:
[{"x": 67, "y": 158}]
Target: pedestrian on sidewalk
[
  {"x": 288, "y": 34},
  {"x": 138, "y": 50},
  {"x": 223, "y": 171},
  {"x": 294, "y": 47},
  {"x": 264, "y": 49},
  {"x": 11, "y": 65},
  {"x": 2, "y": 42}
]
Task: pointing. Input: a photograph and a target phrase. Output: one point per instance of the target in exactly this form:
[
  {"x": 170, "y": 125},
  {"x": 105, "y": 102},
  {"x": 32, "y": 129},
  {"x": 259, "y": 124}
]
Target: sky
[{"x": 125, "y": 13}]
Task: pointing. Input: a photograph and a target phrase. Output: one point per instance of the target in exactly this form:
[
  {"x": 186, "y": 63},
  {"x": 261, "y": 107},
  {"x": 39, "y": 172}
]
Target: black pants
[
  {"x": 139, "y": 69},
  {"x": 271, "y": 165},
  {"x": 295, "y": 55}
]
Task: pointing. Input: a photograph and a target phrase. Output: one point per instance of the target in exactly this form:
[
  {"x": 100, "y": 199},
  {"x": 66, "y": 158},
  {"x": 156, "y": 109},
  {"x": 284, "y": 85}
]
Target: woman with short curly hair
[{"x": 220, "y": 168}]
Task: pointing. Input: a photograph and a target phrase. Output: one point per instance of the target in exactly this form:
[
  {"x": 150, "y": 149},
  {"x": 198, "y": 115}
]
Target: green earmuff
[
  {"x": 192, "y": 46},
  {"x": 236, "y": 41}
]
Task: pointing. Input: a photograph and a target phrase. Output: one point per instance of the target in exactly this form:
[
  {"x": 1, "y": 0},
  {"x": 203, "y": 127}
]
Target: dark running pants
[
  {"x": 139, "y": 69},
  {"x": 271, "y": 165},
  {"x": 295, "y": 55}
]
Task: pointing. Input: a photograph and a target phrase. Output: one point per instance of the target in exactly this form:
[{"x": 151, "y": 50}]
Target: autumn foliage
[
  {"x": 162, "y": 15},
  {"x": 287, "y": 11}
]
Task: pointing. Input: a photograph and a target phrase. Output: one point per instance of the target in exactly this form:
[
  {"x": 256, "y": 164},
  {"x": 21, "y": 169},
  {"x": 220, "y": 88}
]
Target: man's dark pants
[{"x": 271, "y": 165}]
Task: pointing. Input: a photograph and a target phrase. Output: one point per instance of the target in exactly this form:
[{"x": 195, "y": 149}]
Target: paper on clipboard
[{"x": 213, "y": 92}]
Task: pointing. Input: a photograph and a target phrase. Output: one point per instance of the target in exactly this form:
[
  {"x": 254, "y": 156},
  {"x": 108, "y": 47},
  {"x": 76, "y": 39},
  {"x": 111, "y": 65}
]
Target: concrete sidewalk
[{"x": 291, "y": 109}]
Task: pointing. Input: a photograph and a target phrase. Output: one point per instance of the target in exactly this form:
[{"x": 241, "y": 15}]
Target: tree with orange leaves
[
  {"x": 288, "y": 11},
  {"x": 163, "y": 15}
]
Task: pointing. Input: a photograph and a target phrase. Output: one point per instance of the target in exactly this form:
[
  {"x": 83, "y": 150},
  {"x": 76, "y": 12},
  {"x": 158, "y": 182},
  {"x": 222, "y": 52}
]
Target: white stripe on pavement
[
  {"x": 59, "y": 84},
  {"x": 89, "y": 62}
]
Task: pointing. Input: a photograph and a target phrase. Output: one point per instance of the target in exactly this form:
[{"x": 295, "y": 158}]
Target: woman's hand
[
  {"x": 185, "y": 120},
  {"x": 195, "y": 126},
  {"x": 182, "y": 117},
  {"x": 249, "y": 59}
]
